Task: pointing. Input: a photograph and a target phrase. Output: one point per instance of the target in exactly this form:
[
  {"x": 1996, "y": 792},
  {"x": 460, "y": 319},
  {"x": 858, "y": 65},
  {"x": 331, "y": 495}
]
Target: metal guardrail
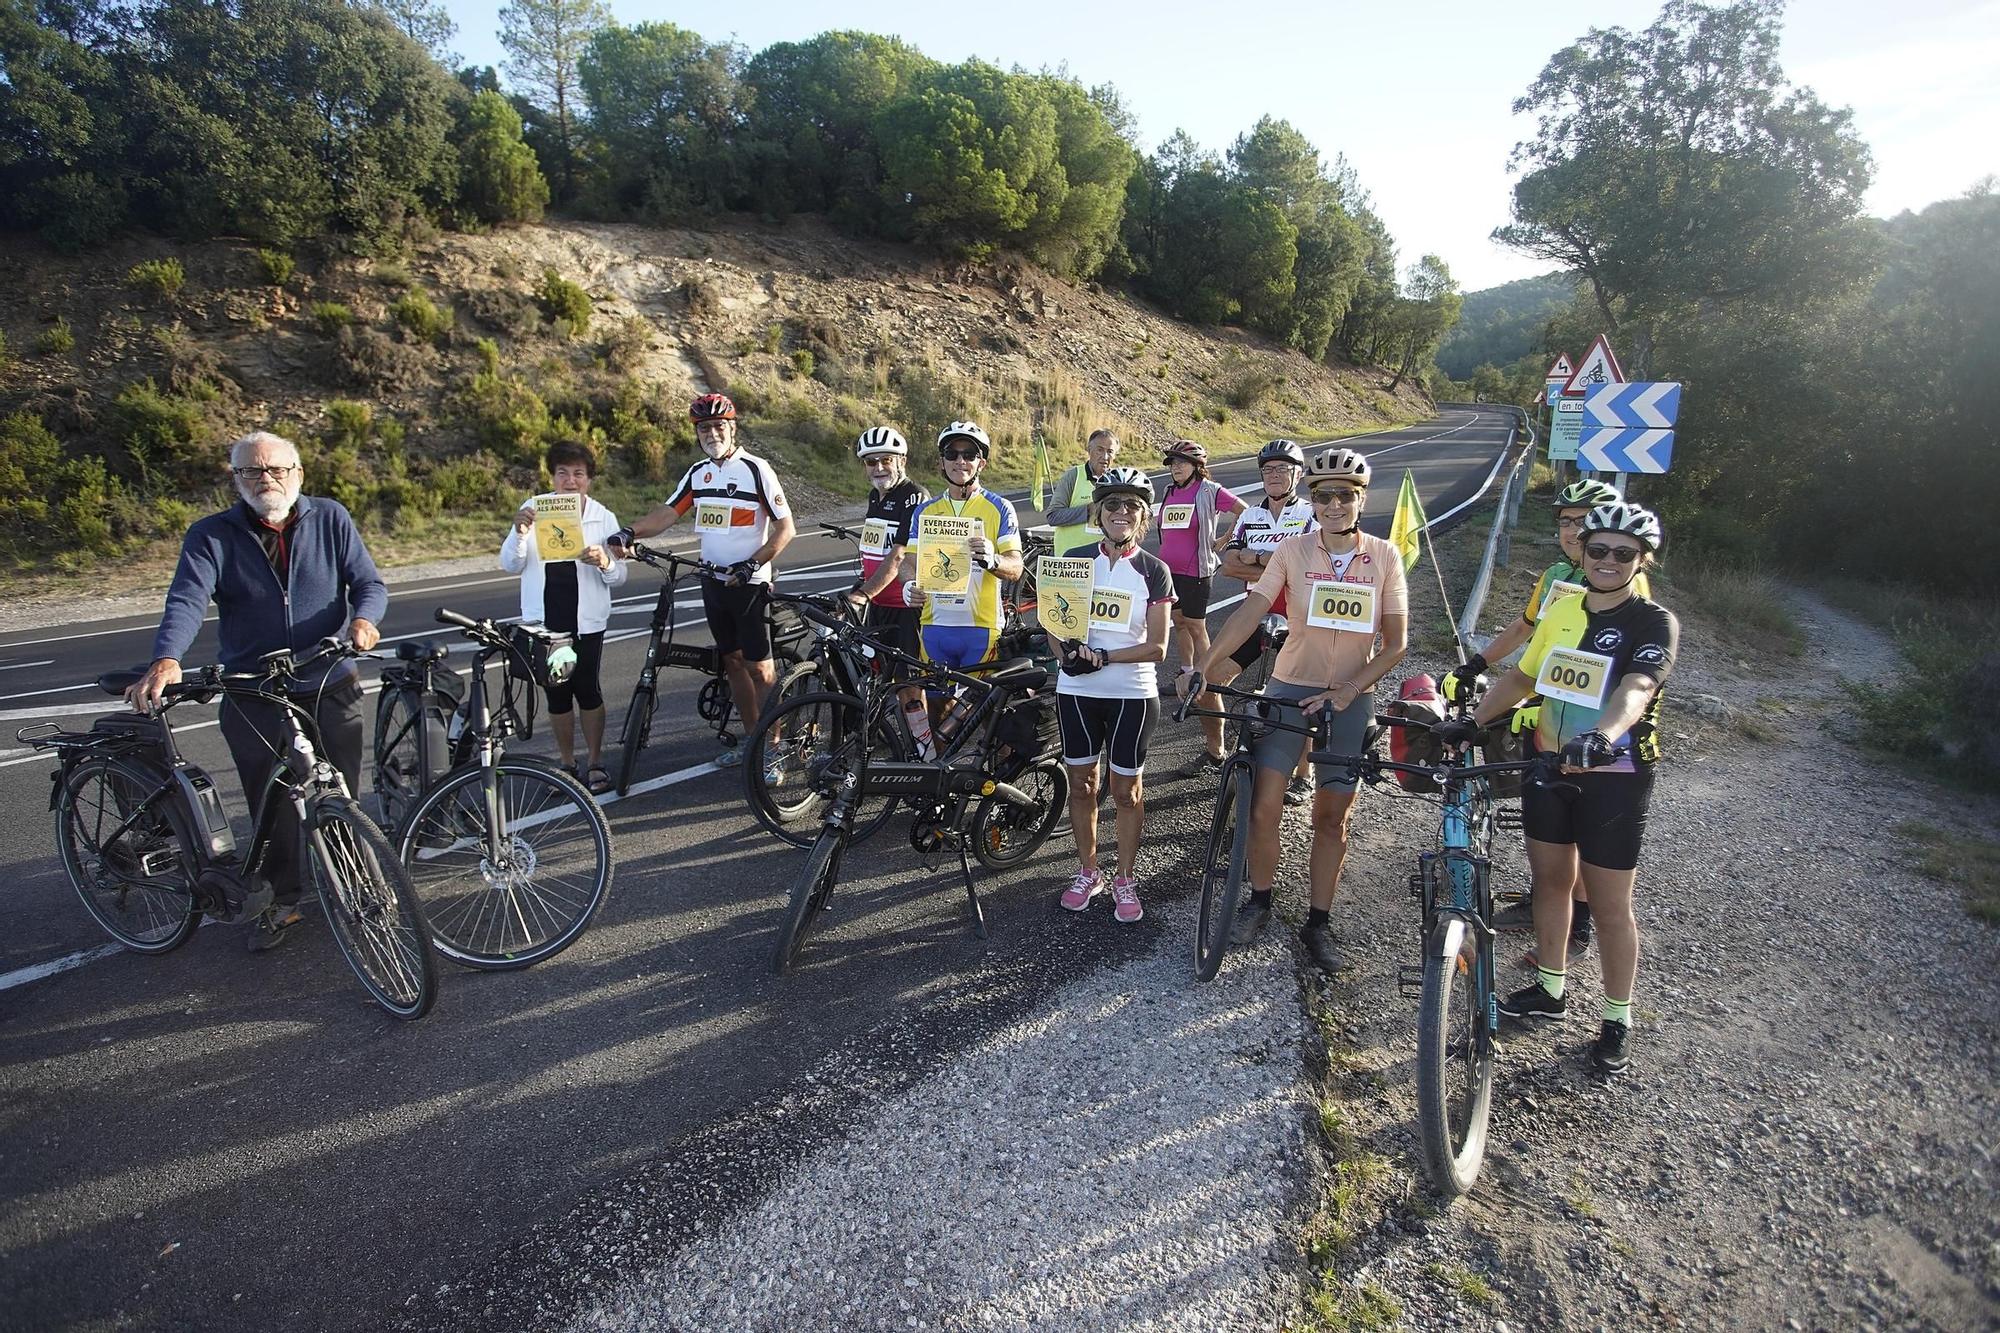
[{"x": 1504, "y": 517}]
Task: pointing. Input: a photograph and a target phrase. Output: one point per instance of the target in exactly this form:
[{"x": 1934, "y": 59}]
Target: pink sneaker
[
  {"x": 1125, "y": 900},
  {"x": 1087, "y": 885}
]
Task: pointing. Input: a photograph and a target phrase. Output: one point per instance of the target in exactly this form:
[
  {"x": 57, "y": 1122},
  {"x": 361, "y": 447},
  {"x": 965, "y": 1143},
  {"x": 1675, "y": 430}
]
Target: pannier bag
[
  {"x": 540, "y": 655},
  {"x": 1416, "y": 699}
]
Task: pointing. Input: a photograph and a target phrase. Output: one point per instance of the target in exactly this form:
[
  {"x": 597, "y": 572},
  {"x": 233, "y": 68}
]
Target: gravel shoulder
[{"x": 1807, "y": 1137}]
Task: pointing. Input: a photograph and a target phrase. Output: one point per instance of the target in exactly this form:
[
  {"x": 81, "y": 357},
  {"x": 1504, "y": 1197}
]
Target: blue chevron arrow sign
[
  {"x": 1621, "y": 449},
  {"x": 1643, "y": 406}
]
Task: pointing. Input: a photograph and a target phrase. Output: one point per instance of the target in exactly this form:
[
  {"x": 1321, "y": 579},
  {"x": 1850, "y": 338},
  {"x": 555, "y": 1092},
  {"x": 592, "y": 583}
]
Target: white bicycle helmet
[
  {"x": 1339, "y": 464},
  {"x": 1122, "y": 481},
  {"x": 968, "y": 430},
  {"x": 879, "y": 440},
  {"x": 1630, "y": 519}
]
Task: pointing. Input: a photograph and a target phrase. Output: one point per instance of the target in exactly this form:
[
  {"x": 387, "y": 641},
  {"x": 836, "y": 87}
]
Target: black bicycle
[
  {"x": 510, "y": 854},
  {"x": 994, "y": 790},
  {"x": 146, "y": 839},
  {"x": 715, "y": 704}
]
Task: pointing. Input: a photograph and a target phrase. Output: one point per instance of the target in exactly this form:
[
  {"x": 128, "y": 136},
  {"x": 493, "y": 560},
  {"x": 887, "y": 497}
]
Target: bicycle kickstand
[{"x": 978, "y": 916}]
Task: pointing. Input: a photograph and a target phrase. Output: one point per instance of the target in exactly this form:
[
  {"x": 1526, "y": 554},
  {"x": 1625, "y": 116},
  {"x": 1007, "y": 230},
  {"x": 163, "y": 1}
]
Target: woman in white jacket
[{"x": 571, "y": 597}]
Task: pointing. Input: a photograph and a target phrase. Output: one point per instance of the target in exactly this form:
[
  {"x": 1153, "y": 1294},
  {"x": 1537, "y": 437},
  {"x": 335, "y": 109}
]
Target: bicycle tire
[
  {"x": 1453, "y": 1128},
  {"x": 638, "y": 726},
  {"x": 1225, "y": 866},
  {"x": 400, "y": 737},
  {"x": 1004, "y": 834},
  {"x": 501, "y": 919},
  {"x": 816, "y": 769},
  {"x": 810, "y": 893},
  {"x": 371, "y": 908},
  {"x": 158, "y": 919}
]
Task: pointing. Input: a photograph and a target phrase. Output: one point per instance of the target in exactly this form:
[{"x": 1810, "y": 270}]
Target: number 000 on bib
[
  {"x": 1574, "y": 676},
  {"x": 1348, "y": 606}
]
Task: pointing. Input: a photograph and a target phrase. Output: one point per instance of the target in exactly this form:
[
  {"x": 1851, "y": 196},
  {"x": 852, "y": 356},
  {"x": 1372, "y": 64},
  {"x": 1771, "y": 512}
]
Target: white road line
[
  {"x": 54, "y": 689},
  {"x": 21, "y": 976},
  {"x": 18, "y": 666}
]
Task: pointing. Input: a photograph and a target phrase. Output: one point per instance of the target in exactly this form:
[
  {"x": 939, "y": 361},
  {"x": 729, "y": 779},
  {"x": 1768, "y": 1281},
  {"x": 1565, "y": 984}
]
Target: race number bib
[
  {"x": 1575, "y": 677},
  {"x": 1348, "y": 606},
  {"x": 875, "y": 537},
  {"x": 1062, "y": 595},
  {"x": 1557, "y": 591},
  {"x": 1177, "y": 516},
  {"x": 1111, "y": 609},
  {"x": 559, "y": 526},
  {"x": 713, "y": 515}
]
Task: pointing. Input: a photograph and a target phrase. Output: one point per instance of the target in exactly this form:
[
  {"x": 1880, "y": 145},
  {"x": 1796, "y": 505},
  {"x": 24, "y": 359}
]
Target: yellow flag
[
  {"x": 1407, "y": 527},
  {"x": 1040, "y": 494}
]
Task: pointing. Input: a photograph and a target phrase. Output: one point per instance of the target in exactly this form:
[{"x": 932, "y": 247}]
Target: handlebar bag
[{"x": 540, "y": 655}]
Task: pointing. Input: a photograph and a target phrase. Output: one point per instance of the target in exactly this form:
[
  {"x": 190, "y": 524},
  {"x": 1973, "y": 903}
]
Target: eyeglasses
[
  {"x": 878, "y": 462},
  {"x": 1118, "y": 505},
  {"x": 1573, "y": 522},
  {"x": 276, "y": 473},
  {"x": 960, "y": 455},
  {"x": 1624, "y": 555},
  {"x": 1331, "y": 497},
  {"x": 1282, "y": 469}
]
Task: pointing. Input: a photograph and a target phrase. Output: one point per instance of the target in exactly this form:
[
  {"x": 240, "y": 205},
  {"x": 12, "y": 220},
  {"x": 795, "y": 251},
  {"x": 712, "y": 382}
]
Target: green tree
[
  {"x": 1674, "y": 169},
  {"x": 1074, "y": 229},
  {"x": 499, "y": 180},
  {"x": 667, "y": 107},
  {"x": 969, "y": 157},
  {"x": 425, "y": 22},
  {"x": 1429, "y": 307},
  {"x": 545, "y": 41},
  {"x": 62, "y": 130}
]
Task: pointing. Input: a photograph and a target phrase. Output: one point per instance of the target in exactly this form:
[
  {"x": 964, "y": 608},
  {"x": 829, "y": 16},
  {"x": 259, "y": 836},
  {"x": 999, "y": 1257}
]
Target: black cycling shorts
[
  {"x": 897, "y": 626},
  {"x": 737, "y": 619},
  {"x": 585, "y": 687},
  {"x": 1191, "y": 596},
  {"x": 1604, "y": 817},
  {"x": 1089, "y": 724},
  {"x": 1252, "y": 649}
]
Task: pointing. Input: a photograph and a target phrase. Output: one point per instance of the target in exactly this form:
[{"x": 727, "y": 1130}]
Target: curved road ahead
[{"x": 218, "y": 1140}]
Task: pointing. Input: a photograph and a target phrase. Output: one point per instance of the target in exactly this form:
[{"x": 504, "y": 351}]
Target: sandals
[{"x": 598, "y": 780}]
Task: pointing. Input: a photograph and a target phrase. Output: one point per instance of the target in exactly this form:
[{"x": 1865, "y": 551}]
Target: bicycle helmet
[
  {"x": 712, "y": 407},
  {"x": 879, "y": 440},
  {"x": 1281, "y": 451},
  {"x": 967, "y": 430},
  {"x": 1587, "y": 493},
  {"x": 1339, "y": 464},
  {"x": 1630, "y": 519},
  {"x": 1122, "y": 481},
  {"x": 1187, "y": 449}
]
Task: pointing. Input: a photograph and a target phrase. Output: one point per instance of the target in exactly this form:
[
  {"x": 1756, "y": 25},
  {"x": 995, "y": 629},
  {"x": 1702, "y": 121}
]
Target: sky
[{"x": 1416, "y": 96}]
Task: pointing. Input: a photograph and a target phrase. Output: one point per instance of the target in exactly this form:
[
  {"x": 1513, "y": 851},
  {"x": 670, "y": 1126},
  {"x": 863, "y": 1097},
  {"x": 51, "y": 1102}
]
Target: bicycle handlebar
[
  {"x": 840, "y": 530},
  {"x": 648, "y": 555}
]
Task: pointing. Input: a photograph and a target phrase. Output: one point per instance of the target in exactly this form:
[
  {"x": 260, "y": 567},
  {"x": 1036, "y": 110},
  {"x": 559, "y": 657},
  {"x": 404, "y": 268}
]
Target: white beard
[{"x": 270, "y": 508}]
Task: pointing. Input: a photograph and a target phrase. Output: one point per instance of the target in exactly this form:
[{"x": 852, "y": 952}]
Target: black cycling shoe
[
  {"x": 1520, "y": 916},
  {"x": 1612, "y": 1053},
  {"x": 1579, "y": 934},
  {"x": 269, "y": 929},
  {"x": 1531, "y": 1001},
  {"x": 1298, "y": 791},
  {"x": 1321, "y": 947},
  {"x": 1250, "y": 920},
  {"x": 1203, "y": 765}
]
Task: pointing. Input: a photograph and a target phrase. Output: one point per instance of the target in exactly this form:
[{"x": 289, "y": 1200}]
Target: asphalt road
[{"x": 217, "y": 1140}]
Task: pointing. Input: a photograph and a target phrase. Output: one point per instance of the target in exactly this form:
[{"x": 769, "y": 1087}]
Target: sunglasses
[
  {"x": 1573, "y": 522},
  {"x": 1331, "y": 497},
  {"x": 276, "y": 473},
  {"x": 1122, "y": 507},
  {"x": 1624, "y": 555},
  {"x": 960, "y": 455}
]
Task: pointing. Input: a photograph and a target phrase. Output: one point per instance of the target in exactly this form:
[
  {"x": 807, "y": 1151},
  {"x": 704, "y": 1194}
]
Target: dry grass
[
  {"x": 1743, "y": 602},
  {"x": 1971, "y": 863}
]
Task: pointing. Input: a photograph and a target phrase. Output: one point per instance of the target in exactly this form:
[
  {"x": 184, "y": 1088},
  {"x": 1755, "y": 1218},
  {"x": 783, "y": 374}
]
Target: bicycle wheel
[
  {"x": 1225, "y": 867},
  {"x": 810, "y": 893},
  {"x": 638, "y": 726},
  {"x": 552, "y": 875},
  {"x": 399, "y": 753},
  {"x": 807, "y": 736},
  {"x": 1004, "y": 834},
  {"x": 132, "y": 877},
  {"x": 1454, "y": 1063},
  {"x": 374, "y": 914}
]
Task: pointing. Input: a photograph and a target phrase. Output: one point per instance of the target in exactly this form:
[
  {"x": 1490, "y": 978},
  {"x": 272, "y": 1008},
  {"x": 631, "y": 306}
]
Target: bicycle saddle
[
  {"x": 422, "y": 650},
  {"x": 117, "y": 682}
]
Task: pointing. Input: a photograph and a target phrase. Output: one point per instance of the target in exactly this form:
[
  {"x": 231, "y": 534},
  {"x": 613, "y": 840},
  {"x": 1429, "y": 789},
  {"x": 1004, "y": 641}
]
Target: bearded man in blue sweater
[{"x": 284, "y": 570}]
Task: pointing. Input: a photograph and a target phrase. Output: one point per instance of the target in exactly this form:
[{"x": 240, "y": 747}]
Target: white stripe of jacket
[{"x": 519, "y": 555}]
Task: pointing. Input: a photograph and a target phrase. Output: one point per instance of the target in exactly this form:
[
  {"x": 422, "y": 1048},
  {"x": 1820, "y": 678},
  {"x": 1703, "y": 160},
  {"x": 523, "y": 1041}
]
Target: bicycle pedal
[
  {"x": 1417, "y": 885},
  {"x": 1410, "y": 981},
  {"x": 1508, "y": 817}
]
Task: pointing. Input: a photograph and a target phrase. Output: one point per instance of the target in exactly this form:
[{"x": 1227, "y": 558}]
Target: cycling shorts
[
  {"x": 736, "y": 617},
  {"x": 1253, "y": 648},
  {"x": 1280, "y": 750},
  {"x": 897, "y": 626},
  {"x": 1191, "y": 596},
  {"x": 1090, "y": 723},
  {"x": 959, "y": 646},
  {"x": 1603, "y": 817}
]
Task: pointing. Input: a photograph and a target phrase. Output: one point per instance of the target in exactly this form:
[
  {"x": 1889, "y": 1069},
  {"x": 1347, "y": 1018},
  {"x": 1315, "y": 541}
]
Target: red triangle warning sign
[
  {"x": 1599, "y": 366},
  {"x": 1562, "y": 369}
]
